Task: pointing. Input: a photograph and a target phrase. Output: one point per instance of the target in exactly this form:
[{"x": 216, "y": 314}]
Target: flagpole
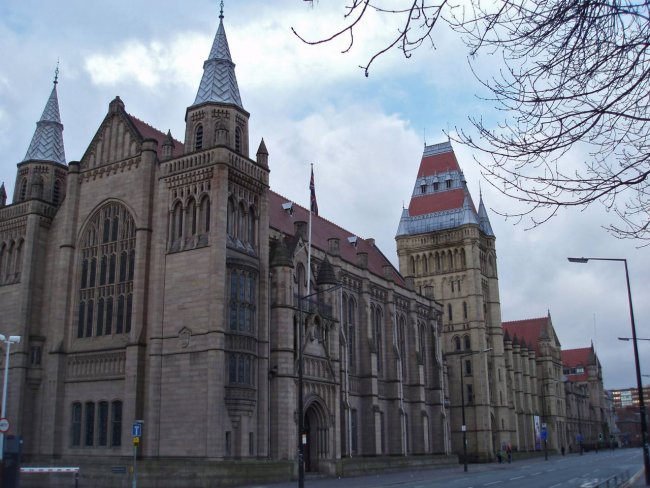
[{"x": 311, "y": 208}]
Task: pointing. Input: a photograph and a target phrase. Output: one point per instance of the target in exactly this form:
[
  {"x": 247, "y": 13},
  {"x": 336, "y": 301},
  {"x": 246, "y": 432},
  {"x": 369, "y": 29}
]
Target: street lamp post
[
  {"x": 644, "y": 426},
  {"x": 462, "y": 402},
  {"x": 8, "y": 342},
  {"x": 301, "y": 421}
]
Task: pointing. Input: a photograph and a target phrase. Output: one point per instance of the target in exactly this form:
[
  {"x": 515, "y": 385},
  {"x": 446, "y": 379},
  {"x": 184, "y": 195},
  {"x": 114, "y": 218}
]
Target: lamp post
[
  {"x": 302, "y": 439},
  {"x": 8, "y": 342},
  {"x": 462, "y": 402},
  {"x": 644, "y": 426}
]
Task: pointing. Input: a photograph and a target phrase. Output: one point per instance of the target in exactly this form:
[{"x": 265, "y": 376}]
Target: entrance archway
[{"x": 318, "y": 434}]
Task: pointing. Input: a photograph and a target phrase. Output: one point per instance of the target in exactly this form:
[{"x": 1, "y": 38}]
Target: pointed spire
[
  {"x": 484, "y": 220},
  {"x": 219, "y": 83},
  {"x": 469, "y": 214},
  {"x": 263, "y": 155},
  {"x": 3, "y": 195},
  {"x": 47, "y": 142}
]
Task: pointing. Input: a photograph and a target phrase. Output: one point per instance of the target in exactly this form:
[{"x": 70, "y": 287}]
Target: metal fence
[{"x": 615, "y": 481}]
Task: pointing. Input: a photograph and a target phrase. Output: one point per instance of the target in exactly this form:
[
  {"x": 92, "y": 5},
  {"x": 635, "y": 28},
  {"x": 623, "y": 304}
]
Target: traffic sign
[
  {"x": 4, "y": 425},
  {"x": 136, "y": 430},
  {"x": 136, "y": 440},
  {"x": 544, "y": 435}
]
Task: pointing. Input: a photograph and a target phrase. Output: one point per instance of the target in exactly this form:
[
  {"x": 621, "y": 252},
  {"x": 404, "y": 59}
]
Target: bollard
[{"x": 76, "y": 480}]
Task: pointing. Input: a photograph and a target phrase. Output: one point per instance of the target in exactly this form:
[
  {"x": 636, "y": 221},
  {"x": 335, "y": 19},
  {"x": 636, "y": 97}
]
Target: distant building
[
  {"x": 589, "y": 419},
  {"x": 626, "y": 397},
  {"x": 537, "y": 339}
]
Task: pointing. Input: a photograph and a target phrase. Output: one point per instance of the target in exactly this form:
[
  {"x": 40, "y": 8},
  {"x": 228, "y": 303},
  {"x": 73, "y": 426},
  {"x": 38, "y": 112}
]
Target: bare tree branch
[{"x": 574, "y": 91}]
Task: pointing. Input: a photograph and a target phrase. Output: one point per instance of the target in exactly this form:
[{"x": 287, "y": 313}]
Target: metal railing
[{"x": 613, "y": 482}]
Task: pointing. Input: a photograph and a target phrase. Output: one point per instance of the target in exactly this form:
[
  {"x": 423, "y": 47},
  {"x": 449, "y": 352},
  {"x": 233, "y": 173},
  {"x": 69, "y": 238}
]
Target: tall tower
[
  {"x": 25, "y": 228},
  {"x": 42, "y": 173},
  {"x": 445, "y": 244},
  {"x": 217, "y": 116}
]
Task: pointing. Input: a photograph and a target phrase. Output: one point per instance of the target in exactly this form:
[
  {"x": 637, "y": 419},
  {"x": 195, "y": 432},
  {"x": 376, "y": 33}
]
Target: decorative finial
[
  {"x": 480, "y": 191},
  {"x": 221, "y": 13},
  {"x": 424, "y": 136},
  {"x": 56, "y": 73}
]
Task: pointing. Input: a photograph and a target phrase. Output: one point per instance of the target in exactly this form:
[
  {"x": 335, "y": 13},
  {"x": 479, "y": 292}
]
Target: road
[{"x": 571, "y": 471}]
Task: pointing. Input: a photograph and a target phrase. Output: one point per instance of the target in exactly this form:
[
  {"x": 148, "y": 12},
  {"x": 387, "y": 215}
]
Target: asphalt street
[{"x": 571, "y": 471}]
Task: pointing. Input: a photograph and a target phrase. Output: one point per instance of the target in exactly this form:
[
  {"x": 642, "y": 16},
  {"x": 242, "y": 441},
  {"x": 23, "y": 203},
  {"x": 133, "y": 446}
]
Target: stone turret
[
  {"x": 42, "y": 173},
  {"x": 217, "y": 116}
]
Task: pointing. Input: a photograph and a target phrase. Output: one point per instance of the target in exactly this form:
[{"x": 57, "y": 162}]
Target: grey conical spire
[
  {"x": 484, "y": 220},
  {"x": 47, "y": 142},
  {"x": 219, "y": 83}
]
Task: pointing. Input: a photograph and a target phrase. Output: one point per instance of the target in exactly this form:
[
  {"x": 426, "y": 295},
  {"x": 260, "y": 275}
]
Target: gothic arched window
[
  {"x": 198, "y": 138},
  {"x": 238, "y": 140},
  {"x": 23, "y": 189},
  {"x": 231, "y": 218},
  {"x": 56, "y": 192},
  {"x": 204, "y": 215},
  {"x": 115, "y": 255}
]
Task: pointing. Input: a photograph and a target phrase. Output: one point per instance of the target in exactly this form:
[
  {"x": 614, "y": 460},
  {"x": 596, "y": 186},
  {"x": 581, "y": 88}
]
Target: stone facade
[
  {"x": 445, "y": 244},
  {"x": 589, "y": 417},
  {"x": 163, "y": 281}
]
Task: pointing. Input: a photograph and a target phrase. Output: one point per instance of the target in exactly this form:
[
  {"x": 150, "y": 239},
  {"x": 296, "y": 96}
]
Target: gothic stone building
[
  {"x": 445, "y": 244},
  {"x": 506, "y": 379},
  {"x": 160, "y": 280}
]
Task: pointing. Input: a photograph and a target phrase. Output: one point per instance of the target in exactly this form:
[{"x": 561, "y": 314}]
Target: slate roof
[
  {"x": 47, "y": 142},
  {"x": 322, "y": 230},
  {"x": 572, "y": 358},
  {"x": 149, "y": 132},
  {"x": 440, "y": 199},
  {"x": 527, "y": 330},
  {"x": 219, "y": 83}
]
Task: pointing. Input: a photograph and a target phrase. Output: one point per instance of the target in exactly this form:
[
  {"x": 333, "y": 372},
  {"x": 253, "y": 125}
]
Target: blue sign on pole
[
  {"x": 544, "y": 435},
  {"x": 136, "y": 430}
]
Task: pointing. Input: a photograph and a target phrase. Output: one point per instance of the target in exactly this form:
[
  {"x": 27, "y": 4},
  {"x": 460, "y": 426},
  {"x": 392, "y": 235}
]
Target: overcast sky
[{"x": 314, "y": 105}]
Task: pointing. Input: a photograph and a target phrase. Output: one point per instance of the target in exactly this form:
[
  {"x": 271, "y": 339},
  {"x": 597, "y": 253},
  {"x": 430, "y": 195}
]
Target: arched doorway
[{"x": 317, "y": 429}]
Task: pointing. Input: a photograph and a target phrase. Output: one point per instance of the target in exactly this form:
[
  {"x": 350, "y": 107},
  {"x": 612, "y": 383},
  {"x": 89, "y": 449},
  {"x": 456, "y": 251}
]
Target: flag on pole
[{"x": 312, "y": 189}]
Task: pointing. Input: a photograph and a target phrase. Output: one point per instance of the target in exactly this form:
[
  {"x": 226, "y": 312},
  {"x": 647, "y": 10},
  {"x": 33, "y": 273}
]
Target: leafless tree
[{"x": 574, "y": 90}]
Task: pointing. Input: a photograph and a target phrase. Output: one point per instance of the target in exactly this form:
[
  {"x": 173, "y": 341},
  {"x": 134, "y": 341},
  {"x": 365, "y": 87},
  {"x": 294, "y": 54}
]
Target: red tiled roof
[
  {"x": 322, "y": 230},
  {"x": 572, "y": 358},
  {"x": 528, "y": 329},
  {"x": 149, "y": 132},
  {"x": 436, "y": 202},
  {"x": 438, "y": 163}
]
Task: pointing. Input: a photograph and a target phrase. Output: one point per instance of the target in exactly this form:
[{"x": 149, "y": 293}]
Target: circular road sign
[{"x": 4, "y": 425}]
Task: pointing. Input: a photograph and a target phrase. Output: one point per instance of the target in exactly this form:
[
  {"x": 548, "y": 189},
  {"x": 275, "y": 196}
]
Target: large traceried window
[
  {"x": 349, "y": 317},
  {"x": 401, "y": 343},
  {"x": 242, "y": 301},
  {"x": 106, "y": 304},
  {"x": 242, "y": 307},
  {"x": 377, "y": 319}
]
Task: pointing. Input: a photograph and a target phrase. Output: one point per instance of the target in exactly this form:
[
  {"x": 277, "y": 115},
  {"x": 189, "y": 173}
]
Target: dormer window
[
  {"x": 198, "y": 138},
  {"x": 448, "y": 184},
  {"x": 436, "y": 186},
  {"x": 423, "y": 188}
]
